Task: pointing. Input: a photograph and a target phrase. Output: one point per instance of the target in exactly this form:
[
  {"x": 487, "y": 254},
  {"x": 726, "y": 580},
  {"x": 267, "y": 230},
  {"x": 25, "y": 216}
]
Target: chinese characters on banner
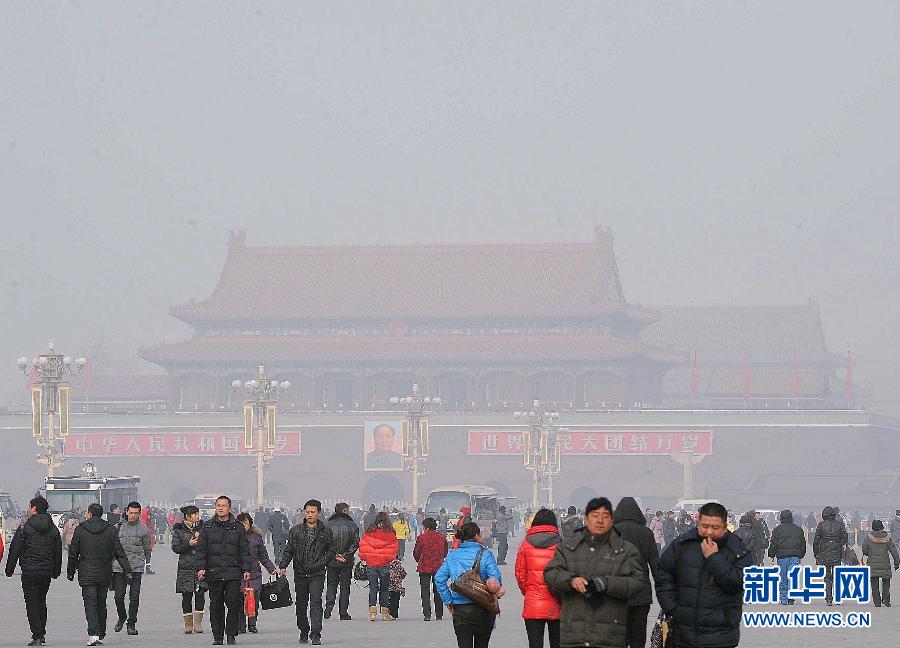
[
  {"x": 598, "y": 442},
  {"x": 214, "y": 443}
]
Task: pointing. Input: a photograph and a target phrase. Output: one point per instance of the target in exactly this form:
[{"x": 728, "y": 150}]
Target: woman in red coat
[
  {"x": 379, "y": 547},
  {"x": 535, "y": 552}
]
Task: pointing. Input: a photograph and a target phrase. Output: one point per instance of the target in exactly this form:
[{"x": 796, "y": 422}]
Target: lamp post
[
  {"x": 415, "y": 433},
  {"x": 50, "y": 394},
  {"x": 260, "y": 427},
  {"x": 541, "y": 450}
]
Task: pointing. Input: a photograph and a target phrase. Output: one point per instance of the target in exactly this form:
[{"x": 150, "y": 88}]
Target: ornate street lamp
[
  {"x": 50, "y": 395},
  {"x": 260, "y": 426},
  {"x": 541, "y": 449},
  {"x": 415, "y": 433}
]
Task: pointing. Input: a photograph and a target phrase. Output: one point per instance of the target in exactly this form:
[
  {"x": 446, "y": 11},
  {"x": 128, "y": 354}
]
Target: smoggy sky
[{"x": 742, "y": 153}]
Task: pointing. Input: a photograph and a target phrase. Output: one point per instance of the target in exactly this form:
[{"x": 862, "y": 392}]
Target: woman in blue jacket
[{"x": 472, "y": 623}]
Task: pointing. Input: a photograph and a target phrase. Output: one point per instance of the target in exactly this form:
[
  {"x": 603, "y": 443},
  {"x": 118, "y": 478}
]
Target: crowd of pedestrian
[{"x": 587, "y": 578}]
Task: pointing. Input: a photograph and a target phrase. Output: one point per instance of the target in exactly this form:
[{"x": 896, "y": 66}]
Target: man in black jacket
[
  {"x": 345, "y": 535},
  {"x": 631, "y": 523},
  {"x": 761, "y": 536},
  {"x": 828, "y": 547},
  {"x": 700, "y": 582},
  {"x": 223, "y": 560},
  {"x": 94, "y": 546},
  {"x": 37, "y": 547},
  {"x": 787, "y": 546},
  {"x": 279, "y": 527},
  {"x": 311, "y": 548}
]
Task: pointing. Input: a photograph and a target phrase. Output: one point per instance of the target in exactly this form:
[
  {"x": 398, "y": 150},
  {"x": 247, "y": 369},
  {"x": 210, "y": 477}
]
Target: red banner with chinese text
[
  {"x": 224, "y": 442},
  {"x": 598, "y": 442}
]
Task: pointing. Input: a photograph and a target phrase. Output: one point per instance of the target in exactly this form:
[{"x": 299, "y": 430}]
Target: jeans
[
  {"x": 502, "y": 547},
  {"x": 191, "y": 601},
  {"x": 473, "y": 625},
  {"x": 309, "y": 594},
  {"x": 636, "y": 626},
  {"x": 785, "y": 566},
  {"x": 534, "y": 628},
  {"x": 34, "y": 589},
  {"x": 401, "y": 551},
  {"x": 339, "y": 577},
  {"x": 881, "y": 592},
  {"x": 94, "y": 597},
  {"x": 134, "y": 596},
  {"x": 426, "y": 583},
  {"x": 221, "y": 594},
  {"x": 379, "y": 581}
]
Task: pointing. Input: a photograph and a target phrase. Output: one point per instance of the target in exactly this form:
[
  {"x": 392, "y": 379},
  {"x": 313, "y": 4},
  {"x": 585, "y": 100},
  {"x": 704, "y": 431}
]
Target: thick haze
[{"x": 744, "y": 153}]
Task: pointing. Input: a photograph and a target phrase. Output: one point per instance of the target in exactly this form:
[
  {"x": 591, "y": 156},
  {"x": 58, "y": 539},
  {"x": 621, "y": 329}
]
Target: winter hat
[
  {"x": 746, "y": 518},
  {"x": 877, "y": 525},
  {"x": 189, "y": 509},
  {"x": 598, "y": 503}
]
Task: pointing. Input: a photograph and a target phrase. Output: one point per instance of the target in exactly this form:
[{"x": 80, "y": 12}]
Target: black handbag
[{"x": 275, "y": 594}]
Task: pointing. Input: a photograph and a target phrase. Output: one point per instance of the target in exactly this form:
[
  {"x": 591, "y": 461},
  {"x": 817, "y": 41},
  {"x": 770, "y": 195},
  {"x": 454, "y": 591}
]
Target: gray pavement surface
[{"x": 160, "y": 622}]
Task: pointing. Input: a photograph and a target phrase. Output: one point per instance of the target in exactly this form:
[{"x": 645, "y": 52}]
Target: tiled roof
[
  {"x": 387, "y": 282},
  {"x": 768, "y": 334},
  {"x": 413, "y": 348}
]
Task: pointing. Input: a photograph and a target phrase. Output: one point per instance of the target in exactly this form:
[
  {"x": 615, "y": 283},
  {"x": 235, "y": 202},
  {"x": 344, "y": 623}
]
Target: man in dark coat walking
[
  {"x": 631, "y": 523},
  {"x": 594, "y": 574},
  {"x": 37, "y": 547},
  {"x": 761, "y": 536},
  {"x": 668, "y": 527},
  {"x": 700, "y": 582},
  {"x": 222, "y": 559},
  {"x": 311, "y": 548},
  {"x": 345, "y": 535},
  {"x": 94, "y": 546},
  {"x": 895, "y": 526},
  {"x": 828, "y": 547},
  {"x": 279, "y": 527},
  {"x": 788, "y": 546}
]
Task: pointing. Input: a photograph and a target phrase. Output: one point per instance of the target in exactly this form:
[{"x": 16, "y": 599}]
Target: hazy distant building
[
  {"x": 753, "y": 356},
  {"x": 483, "y": 326}
]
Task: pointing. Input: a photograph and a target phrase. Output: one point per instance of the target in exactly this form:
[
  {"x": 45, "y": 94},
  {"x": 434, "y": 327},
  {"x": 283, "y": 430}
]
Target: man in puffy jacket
[
  {"x": 668, "y": 528},
  {"x": 700, "y": 580},
  {"x": 880, "y": 548},
  {"x": 828, "y": 547},
  {"x": 136, "y": 541},
  {"x": 787, "y": 546},
  {"x": 37, "y": 547},
  {"x": 630, "y": 522},
  {"x": 745, "y": 533},
  {"x": 311, "y": 548},
  {"x": 570, "y": 523},
  {"x": 429, "y": 554},
  {"x": 222, "y": 559},
  {"x": 345, "y": 536},
  {"x": 594, "y": 574},
  {"x": 540, "y": 607},
  {"x": 95, "y": 544}
]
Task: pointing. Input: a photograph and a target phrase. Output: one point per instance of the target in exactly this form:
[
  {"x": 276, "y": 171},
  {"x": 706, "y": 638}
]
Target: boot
[
  {"x": 386, "y": 614},
  {"x": 188, "y": 623},
  {"x": 251, "y": 625},
  {"x": 372, "y": 612},
  {"x": 198, "y": 621}
]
